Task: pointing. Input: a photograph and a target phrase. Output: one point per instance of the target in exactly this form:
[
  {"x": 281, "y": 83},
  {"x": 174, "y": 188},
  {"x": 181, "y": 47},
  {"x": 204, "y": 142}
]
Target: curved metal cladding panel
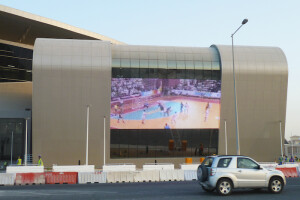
[
  {"x": 261, "y": 83},
  {"x": 68, "y": 75}
]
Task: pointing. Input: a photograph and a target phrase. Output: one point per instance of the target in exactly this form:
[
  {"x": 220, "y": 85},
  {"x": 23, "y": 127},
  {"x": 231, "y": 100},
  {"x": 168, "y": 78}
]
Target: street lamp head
[{"x": 244, "y": 21}]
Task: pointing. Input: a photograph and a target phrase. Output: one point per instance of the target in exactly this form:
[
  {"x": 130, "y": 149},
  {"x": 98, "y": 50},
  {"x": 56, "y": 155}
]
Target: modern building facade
[
  {"x": 146, "y": 103},
  {"x": 126, "y": 85}
]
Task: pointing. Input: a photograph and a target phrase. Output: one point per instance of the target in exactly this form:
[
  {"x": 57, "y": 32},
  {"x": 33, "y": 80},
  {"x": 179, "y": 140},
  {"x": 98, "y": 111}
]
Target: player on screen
[
  {"x": 120, "y": 117},
  {"x": 146, "y": 105},
  {"x": 161, "y": 107},
  {"x": 207, "y": 108},
  {"x": 174, "y": 117},
  {"x": 186, "y": 108},
  {"x": 167, "y": 111},
  {"x": 144, "y": 117},
  {"x": 116, "y": 109},
  {"x": 181, "y": 107}
]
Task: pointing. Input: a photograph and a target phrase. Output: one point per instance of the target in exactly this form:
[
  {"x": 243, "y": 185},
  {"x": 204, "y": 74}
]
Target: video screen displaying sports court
[{"x": 153, "y": 103}]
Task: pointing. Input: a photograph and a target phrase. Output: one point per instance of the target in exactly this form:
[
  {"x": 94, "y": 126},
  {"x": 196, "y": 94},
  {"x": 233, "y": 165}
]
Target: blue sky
[{"x": 188, "y": 23}]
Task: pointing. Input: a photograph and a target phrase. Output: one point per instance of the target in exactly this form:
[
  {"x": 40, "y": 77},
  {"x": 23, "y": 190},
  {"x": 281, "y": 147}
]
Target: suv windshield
[{"x": 208, "y": 161}]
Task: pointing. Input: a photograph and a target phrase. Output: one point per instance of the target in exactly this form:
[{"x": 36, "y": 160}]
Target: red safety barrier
[
  {"x": 61, "y": 177},
  {"x": 30, "y": 178},
  {"x": 289, "y": 172}
]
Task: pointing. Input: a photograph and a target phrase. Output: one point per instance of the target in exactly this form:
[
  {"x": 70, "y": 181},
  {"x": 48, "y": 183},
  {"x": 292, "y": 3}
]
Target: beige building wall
[
  {"x": 68, "y": 75},
  {"x": 261, "y": 83}
]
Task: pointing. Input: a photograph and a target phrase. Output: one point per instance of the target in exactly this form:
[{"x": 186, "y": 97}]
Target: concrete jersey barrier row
[
  {"x": 171, "y": 175},
  {"x": 119, "y": 167},
  {"x": 25, "y": 169},
  {"x": 96, "y": 177},
  {"x": 7, "y": 178},
  {"x": 158, "y": 166},
  {"x": 290, "y": 170}
]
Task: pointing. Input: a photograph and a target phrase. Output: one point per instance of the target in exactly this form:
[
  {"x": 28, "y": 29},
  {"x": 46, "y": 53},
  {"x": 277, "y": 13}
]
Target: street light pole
[
  {"x": 226, "y": 152},
  {"x": 235, "y": 97},
  {"x": 12, "y": 147},
  {"x": 104, "y": 140},
  {"x": 280, "y": 140},
  {"x": 26, "y": 135},
  {"x": 87, "y": 134}
]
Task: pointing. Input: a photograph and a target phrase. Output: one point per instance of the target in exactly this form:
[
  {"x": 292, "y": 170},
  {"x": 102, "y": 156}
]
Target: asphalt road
[{"x": 161, "y": 190}]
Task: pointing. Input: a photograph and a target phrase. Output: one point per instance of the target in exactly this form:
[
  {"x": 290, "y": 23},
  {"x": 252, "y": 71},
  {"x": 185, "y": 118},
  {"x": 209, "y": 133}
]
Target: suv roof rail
[{"x": 231, "y": 155}]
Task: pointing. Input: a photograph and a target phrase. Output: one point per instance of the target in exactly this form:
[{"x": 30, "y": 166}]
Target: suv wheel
[
  {"x": 224, "y": 187},
  {"x": 276, "y": 185}
]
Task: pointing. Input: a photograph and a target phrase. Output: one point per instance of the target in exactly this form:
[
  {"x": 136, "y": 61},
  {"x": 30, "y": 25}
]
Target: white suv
[{"x": 223, "y": 173}]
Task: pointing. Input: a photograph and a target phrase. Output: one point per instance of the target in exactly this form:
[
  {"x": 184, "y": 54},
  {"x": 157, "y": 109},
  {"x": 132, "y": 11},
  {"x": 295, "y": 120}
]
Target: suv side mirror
[{"x": 259, "y": 167}]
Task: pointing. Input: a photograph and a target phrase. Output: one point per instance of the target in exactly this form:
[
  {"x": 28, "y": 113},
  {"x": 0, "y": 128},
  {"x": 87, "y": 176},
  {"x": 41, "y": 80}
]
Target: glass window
[
  {"x": 125, "y": 63},
  {"x": 215, "y": 66},
  {"x": 180, "y": 64},
  {"x": 207, "y": 65},
  {"x": 172, "y": 73},
  {"x": 153, "y": 64},
  {"x": 189, "y": 65},
  {"x": 198, "y": 65},
  {"x": 171, "y": 64},
  {"x": 144, "y": 73},
  {"x": 160, "y": 143},
  {"x": 12, "y": 133},
  {"x": 181, "y": 73},
  {"x": 116, "y": 63},
  {"x": 162, "y": 64},
  {"x": 207, "y": 74},
  {"x": 199, "y": 74},
  {"x": 135, "y": 72},
  {"x": 134, "y": 63},
  {"x": 144, "y": 64},
  {"x": 190, "y": 74},
  {"x": 153, "y": 72},
  {"x": 208, "y": 161},
  {"x": 116, "y": 72},
  {"x": 15, "y": 63},
  {"x": 246, "y": 163},
  {"x": 224, "y": 162},
  {"x": 125, "y": 72},
  {"x": 162, "y": 73}
]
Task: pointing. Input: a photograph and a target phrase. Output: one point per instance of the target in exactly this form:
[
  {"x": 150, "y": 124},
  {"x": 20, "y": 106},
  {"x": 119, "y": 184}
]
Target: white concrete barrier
[
  {"x": 120, "y": 177},
  {"x": 73, "y": 168},
  {"x": 171, "y": 175},
  {"x": 90, "y": 177},
  {"x": 190, "y": 175},
  {"x": 24, "y": 169},
  {"x": 158, "y": 166},
  {"x": 119, "y": 167},
  {"x": 189, "y": 166},
  {"x": 146, "y": 176},
  {"x": 7, "y": 178},
  {"x": 288, "y": 165}
]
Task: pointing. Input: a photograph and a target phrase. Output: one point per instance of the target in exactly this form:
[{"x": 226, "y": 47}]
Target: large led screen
[{"x": 152, "y": 103}]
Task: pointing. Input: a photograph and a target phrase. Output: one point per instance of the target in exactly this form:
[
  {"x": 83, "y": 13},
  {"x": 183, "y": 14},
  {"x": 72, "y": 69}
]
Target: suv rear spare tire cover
[{"x": 202, "y": 173}]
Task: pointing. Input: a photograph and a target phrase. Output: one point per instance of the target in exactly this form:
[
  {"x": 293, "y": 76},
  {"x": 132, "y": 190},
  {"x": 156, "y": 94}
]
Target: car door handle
[{"x": 240, "y": 171}]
